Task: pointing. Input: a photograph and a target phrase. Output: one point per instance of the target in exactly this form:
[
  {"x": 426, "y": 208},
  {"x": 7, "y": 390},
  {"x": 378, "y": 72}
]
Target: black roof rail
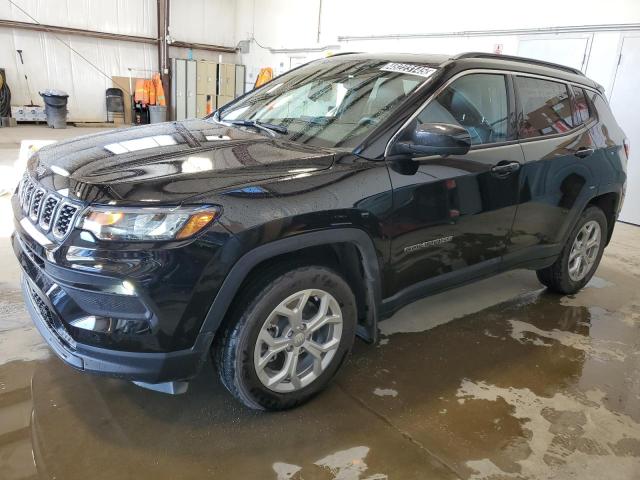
[
  {"x": 513, "y": 58},
  {"x": 343, "y": 53}
]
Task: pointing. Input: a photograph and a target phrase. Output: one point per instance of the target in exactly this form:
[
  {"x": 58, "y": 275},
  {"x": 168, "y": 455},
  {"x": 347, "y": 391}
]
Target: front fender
[{"x": 243, "y": 267}]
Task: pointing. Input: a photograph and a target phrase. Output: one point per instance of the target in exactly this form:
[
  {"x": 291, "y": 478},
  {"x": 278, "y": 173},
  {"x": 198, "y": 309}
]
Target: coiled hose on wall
[{"x": 5, "y": 96}]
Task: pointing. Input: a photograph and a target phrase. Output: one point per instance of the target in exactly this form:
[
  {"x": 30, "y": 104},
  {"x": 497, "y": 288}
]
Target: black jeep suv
[{"x": 273, "y": 232}]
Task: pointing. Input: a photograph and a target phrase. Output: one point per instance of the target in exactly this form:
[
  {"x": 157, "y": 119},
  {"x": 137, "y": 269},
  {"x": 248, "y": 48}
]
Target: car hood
[{"x": 169, "y": 162}]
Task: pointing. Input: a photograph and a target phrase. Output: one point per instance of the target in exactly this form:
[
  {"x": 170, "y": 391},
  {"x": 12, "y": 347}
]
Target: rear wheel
[
  {"x": 580, "y": 256},
  {"x": 287, "y": 337}
]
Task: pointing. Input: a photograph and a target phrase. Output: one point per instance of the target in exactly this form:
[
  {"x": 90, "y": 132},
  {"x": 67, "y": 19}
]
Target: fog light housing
[{"x": 109, "y": 325}]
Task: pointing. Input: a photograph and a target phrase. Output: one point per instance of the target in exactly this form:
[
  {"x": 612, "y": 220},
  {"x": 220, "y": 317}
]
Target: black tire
[
  {"x": 233, "y": 349},
  {"x": 556, "y": 277}
]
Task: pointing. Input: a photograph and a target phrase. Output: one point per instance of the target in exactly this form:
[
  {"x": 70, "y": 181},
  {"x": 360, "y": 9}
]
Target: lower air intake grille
[
  {"x": 53, "y": 323},
  {"x": 107, "y": 305}
]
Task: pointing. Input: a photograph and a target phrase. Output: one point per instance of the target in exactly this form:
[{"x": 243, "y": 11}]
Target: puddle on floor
[{"x": 538, "y": 386}]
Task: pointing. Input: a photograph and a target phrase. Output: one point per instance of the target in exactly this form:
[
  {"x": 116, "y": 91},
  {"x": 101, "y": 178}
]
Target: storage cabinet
[
  {"x": 191, "y": 88},
  {"x": 201, "y": 105},
  {"x": 223, "y": 100},
  {"x": 227, "y": 83},
  {"x": 240, "y": 80},
  {"x": 207, "y": 78},
  {"x": 178, "y": 89},
  {"x": 192, "y": 81}
]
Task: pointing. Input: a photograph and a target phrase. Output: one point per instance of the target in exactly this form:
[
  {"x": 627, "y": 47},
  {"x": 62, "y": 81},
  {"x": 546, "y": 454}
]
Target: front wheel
[
  {"x": 286, "y": 338},
  {"x": 580, "y": 256}
]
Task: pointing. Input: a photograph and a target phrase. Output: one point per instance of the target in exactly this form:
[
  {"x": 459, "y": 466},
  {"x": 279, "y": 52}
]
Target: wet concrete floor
[{"x": 497, "y": 380}]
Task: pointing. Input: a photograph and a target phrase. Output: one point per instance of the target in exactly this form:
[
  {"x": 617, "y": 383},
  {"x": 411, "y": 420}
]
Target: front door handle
[
  {"x": 584, "y": 152},
  {"x": 505, "y": 168}
]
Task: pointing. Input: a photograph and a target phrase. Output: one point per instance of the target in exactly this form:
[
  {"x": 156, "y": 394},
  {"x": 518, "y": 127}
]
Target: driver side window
[{"x": 476, "y": 102}]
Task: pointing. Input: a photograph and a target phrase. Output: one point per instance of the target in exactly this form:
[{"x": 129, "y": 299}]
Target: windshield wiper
[{"x": 270, "y": 128}]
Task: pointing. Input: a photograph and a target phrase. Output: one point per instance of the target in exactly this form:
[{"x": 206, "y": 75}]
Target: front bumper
[
  {"x": 135, "y": 366},
  {"x": 147, "y": 367}
]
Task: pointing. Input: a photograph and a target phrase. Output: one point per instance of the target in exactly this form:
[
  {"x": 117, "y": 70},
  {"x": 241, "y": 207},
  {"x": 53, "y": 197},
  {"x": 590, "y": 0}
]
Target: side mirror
[{"x": 436, "y": 139}]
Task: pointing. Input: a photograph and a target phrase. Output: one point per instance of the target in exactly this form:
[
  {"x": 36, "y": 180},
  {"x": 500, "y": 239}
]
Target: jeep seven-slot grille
[
  {"x": 48, "y": 210},
  {"x": 36, "y": 201},
  {"x": 63, "y": 220}
]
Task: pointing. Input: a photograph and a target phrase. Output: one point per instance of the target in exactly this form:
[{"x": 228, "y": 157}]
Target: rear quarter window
[
  {"x": 546, "y": 107},
  {"x": 583, "y": 108},
  {"x": 606, "y": 132}
]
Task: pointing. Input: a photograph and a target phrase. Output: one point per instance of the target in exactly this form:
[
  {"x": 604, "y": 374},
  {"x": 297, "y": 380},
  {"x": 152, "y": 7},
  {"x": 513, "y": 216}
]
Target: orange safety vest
[
  {"x": 265, "y": 75},
  {"x": 159, "y": 90},
  {"x": 152, "y": 91},
  {"x": 142, "y": 92}
]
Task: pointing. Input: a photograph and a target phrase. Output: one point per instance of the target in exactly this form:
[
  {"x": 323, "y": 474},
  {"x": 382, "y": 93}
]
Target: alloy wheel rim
[
  {"x": 298, "y": 340},
  {"x": 584, "y": 250}
]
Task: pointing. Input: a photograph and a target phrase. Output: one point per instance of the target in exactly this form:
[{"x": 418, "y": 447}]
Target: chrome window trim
[{"x": 489, "y": 71}]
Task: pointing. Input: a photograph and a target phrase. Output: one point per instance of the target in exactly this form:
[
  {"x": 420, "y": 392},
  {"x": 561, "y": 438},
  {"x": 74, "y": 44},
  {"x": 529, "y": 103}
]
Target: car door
[
  {"x": 558, "y": 172},
  {"x": 453, "y": 213}
]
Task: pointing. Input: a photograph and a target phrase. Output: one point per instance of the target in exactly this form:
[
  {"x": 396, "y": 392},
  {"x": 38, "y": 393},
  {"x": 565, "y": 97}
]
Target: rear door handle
[
  {"x": 584, "y": 152},
  {"x": 505, "y": 168}
]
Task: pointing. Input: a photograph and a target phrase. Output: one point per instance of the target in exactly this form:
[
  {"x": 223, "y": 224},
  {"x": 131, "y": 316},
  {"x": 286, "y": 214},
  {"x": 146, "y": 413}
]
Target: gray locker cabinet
[
  {"x": 179, "y": 88},
  {"x": 222, "y": 100},
  {"x": 207, "y": 78},
  {"x": 201, "y": 78},
  {"x": 212, "y": 78},
  {"x": 191, "y": 88},
  {"x": 227, "y": 84},
  {"x": 201, "y": 105},
  {"x": 240, "y": 80}
]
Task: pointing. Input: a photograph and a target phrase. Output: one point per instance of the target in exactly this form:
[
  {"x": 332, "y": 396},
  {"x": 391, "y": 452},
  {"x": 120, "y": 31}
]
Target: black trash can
[{"x": 55, "y": 107}]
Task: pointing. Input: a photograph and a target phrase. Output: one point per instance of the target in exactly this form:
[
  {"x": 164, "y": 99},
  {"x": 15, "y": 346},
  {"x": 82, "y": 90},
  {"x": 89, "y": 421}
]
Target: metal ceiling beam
[
  {"x": 39, "y": 27},
  {"x": 484, "y": 33},
  {"x": 36, "y": 27},
  {"x": 203, "y": 46}
]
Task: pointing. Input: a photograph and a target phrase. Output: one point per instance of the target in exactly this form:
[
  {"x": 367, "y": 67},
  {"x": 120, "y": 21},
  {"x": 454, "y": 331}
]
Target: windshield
[{"x": 330, "y": 103}]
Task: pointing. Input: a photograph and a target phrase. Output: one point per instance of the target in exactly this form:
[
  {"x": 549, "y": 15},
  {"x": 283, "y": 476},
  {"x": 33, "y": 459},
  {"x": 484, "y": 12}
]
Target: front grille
[
  {"x": 50, "y": 319},
  {"x": 64, "y": 219},
  {"x": 48, "y": 210},
  {"x": 36, "y": 201},
  {"x": 26, "y": 195}
]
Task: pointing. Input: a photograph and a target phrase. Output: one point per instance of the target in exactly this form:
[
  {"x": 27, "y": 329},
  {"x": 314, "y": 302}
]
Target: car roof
[
  {"x": 431, "y": 60},
  {"x": 468, "y": 60}
]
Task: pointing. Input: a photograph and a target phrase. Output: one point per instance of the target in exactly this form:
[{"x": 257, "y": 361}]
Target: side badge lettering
[{"x": 430, "y": 243}]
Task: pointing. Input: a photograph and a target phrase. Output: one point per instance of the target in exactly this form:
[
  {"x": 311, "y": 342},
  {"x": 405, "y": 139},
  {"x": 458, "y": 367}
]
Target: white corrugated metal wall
[
  {"x": 51, "y": 64},
  {"x": 203, "y": 21}
]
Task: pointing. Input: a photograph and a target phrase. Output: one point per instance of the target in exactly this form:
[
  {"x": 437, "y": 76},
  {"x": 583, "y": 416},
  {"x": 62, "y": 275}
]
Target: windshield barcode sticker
[{"x": 420, "y": 70}]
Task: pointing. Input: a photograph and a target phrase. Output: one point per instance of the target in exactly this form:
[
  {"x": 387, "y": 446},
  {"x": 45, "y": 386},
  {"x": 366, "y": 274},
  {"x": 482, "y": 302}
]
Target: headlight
[{"x": 146, "y": 224}]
